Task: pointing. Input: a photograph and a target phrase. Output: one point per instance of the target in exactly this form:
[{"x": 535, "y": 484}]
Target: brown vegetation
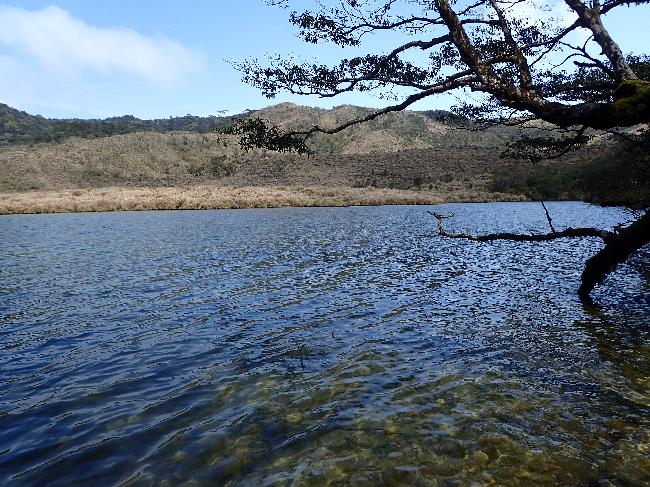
[
  {"x": 406, "y": 151},
  {"x": 404, "y": 158},
  {"x": 220, "y": 197},
  {"x": 185, "y": 158}
]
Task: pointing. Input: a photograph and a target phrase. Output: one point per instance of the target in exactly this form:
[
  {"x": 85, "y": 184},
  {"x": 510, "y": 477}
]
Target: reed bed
[{"x": 204, "y": 197}]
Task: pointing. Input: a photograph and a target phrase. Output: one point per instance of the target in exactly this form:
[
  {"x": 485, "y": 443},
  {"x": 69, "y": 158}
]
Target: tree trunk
[{"x": 617, "y": 249}]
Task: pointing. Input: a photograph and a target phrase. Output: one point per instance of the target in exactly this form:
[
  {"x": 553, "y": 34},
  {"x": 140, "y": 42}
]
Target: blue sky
[{"x": 91, "y": 58}]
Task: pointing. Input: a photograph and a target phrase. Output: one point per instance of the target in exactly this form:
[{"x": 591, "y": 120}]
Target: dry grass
[
  {"x": 151, "y": 159},
  {"x": 216, "y": 197}
]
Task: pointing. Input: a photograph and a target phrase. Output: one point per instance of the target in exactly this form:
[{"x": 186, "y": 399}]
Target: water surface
[{"x": 317, "y": 347}]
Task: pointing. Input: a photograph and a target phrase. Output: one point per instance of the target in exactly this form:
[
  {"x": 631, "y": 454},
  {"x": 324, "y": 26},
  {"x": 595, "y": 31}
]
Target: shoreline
[{"x": 210, "y": 197}]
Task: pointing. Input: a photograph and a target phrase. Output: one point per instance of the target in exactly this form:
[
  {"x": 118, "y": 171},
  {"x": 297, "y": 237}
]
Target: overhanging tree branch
[
  {"x": 258, "y": 133},
  {"x": 591, "y": 19},
  {"x": 619, "y": 246}
]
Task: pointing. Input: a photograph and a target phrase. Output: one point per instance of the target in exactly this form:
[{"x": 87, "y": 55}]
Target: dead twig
[
  {"x": 300, "y": 349},
  {"x": 548, "y": 217}
]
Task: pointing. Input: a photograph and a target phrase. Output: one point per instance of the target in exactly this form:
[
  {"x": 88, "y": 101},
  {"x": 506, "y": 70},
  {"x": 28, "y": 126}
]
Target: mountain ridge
[
  {"x": 18, "y": 127},
  {"x": 393, "y": 131}
]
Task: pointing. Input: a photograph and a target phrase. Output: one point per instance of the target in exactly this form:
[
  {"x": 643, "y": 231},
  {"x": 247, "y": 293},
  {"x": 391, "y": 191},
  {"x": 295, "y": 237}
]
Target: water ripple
[{"x": 318, "y": 346}]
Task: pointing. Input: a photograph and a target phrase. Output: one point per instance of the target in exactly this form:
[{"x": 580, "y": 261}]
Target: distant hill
[
  {"x": 392, "y": 132},
  {"x": 17, "y": 127},
  {"x": 389, "y": 133}
]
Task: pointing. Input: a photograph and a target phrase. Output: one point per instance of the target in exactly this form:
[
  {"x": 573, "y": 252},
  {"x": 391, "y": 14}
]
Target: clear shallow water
[{"x": 318, "y": 346}]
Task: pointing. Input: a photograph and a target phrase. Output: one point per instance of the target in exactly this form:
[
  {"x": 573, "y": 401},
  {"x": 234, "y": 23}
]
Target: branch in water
[
  {"x": 619, "y": 246},
  {"x": 518, "y": 237}
]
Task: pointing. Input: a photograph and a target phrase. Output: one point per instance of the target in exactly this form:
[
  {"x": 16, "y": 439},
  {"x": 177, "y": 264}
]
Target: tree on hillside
[{"x": 521, "y": 60}]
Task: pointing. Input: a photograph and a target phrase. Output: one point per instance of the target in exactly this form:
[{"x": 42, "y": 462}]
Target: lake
[{"x": 318, "y": 346}]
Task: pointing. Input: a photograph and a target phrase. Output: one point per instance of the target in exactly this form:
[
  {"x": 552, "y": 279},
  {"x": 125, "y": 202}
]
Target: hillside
[
  {"x": 400, "y": 150},
  {"x": 184, "y": 158},
  {"x": 389, "y": 133},
  {"x": 403, "y": 151}
]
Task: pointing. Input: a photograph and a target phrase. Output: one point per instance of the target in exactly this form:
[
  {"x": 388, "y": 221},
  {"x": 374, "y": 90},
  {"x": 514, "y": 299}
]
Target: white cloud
[
  {"x": 541, "y": 11},
  {"x": 69, "y": 46},
  {"x": 555, "y": 13}
]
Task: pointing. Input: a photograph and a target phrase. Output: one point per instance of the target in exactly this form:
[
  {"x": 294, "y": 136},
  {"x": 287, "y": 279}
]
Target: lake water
[{"x": 318, "y": 346}]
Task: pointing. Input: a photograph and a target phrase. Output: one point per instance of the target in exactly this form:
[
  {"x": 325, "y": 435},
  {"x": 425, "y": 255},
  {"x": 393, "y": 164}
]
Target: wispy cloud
[
  {"x": 555, "y": 13},
  {"x": 68, "y": 46}
]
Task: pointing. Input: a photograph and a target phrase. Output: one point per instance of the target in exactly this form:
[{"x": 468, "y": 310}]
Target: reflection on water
[{"x": 315, "y": 347}]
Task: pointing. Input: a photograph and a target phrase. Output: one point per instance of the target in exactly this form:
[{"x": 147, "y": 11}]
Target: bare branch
[
  {"x": 451, "y": 83},
  {"x": 591, "y": 19},
  {"x": 609, "y": 5},
  {"x": 518, "y": 237},
  {"x": 548, "y": 217}
]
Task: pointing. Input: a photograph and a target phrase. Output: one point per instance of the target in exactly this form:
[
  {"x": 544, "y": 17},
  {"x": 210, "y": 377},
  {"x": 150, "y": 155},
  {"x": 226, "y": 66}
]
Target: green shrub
[
  {"x": 620, "y": 176},
  {"x": 220, "y": 167}
]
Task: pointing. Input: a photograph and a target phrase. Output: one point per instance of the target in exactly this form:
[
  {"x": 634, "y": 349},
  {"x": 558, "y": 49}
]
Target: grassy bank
[{"x": 221, "y": 197}]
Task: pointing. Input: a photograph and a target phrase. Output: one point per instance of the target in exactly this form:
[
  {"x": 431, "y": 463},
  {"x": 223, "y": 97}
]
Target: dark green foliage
[
  {"x": 220, "y": 167},
  {"x": 538, "y": 148},
  {"x": 589, "y": 82},
  {"x": 447, "y": 178},
  {"x": 539, "y": 181},
  {"x": 621, "y": 176},
  {"x": 216, "y": 164},
  {"x": 195, "y": 169},
  {"x": 258, "y": 133},
  {"x": 18, "y": 127}
]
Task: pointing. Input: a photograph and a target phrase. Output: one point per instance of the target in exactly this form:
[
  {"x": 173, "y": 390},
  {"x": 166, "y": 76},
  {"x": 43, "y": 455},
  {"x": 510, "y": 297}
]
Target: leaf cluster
[{"x": 259, "y": 133}]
